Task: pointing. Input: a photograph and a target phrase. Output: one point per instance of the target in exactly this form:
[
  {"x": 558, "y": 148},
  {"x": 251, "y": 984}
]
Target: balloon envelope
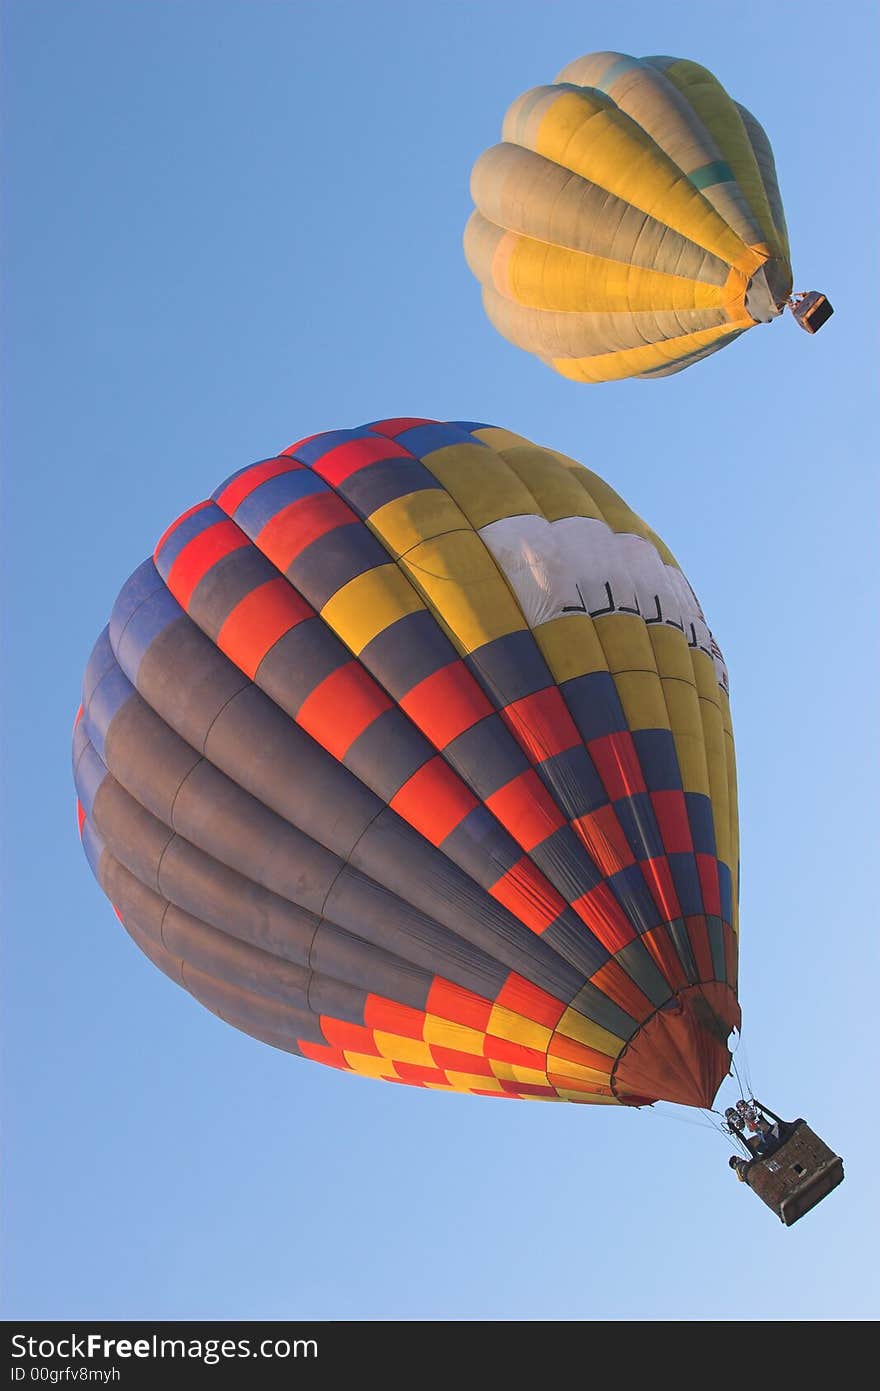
[
  {"x": 630, "y": 223},
  {"x": 409, "y": 752}
]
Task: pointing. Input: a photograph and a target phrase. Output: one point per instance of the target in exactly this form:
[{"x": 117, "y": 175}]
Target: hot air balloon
[
  {"x": 410, "y": 752},
  {"x": 630, "y": 222}
]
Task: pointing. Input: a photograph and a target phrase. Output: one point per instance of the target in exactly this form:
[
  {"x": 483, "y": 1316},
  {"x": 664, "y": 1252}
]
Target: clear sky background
[{"x": 229, "y": 225}]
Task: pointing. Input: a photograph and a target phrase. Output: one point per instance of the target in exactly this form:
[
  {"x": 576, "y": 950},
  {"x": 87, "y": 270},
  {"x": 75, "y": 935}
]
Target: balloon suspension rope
[
  {"x": 744, "y": 1090},
  {"x": 709, "y": 1113},
  {"x": 707, "y": 1122}
]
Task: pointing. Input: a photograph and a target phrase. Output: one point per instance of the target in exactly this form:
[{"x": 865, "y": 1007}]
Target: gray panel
[
  {"x": 189, "y": 705},
  {"x": 233, "y": 961},
  {"x": 716, "y": 946},
  {"x": 767, "y": 165},
  {"x": 338, "y": 954},
  {"x": 516, "y": 188},
  {"x": 137, "y": 905},
  {"x": 147, "y": 757},
  {"x": 196, "y": 882},
  {"x": 369, "y": 911},
  {"x": 661, "y": 110},
  {"x": 79, "y": 743},
  {"x": 592, "y": 1004},
  {"x": 293, "y": 774},
  {"x": 641, "y": 968},
  {"x": 570, "y": 333},
  {"x": 337, "y": 999},
  {"x": 141, "y": 584},
  {"x": 278, "y": 1003},
  {"x": 271, "y": 1021},
  {"x": 299, "y": 661},
  {"x": 262, "y": 750},
  {"x": 393, "y": 854},
  {"x": 388, "y": 752},
  {"x": 679, "y": 935},
  {"x": 482, "y": 964},
  {"x": 133, "y": 834},
  {"x": 167, "y": 964},
  {"x": 225, "y": 584},
  {"x": 574, "y": 942},
  {"x": 486, "y": 756},
  {"x": 690, "y": 358},
  {"x": 234, "y": 904},
  {"x": 215, "y": 814}
]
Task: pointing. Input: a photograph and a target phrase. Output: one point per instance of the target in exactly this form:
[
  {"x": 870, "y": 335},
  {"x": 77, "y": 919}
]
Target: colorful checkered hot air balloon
[
  {"x": 630, "y": 223},
  {"x": 409, "y": 752}
]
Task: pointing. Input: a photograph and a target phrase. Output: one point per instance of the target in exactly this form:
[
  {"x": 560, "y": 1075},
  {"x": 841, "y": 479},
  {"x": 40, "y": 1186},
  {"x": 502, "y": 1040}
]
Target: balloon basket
[
  {"x": 796, "y": 1175},
  {"x": 812, "y": 310}
]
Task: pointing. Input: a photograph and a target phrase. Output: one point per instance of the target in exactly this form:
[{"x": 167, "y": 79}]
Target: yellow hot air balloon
[{"x": 630, "y": 222}]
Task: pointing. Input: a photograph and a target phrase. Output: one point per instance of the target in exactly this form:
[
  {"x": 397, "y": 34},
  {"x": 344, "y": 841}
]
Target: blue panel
[
  {"x": 425, "y": 439},
  {"x": 635, "y": 898},
  {"x": 482, "y": 847},
  {"x": 725, "y": 884},
  {"x": 699, "y": 810},
  {"x": 186, "y": 531},
  {"x": 107, "y": 698},
  {"x": 577, "y": 786},
  {"x": 313, "y": 450},
  {"x": 470, "y": 425},
  {"x": 369, "y": 488},
  {"x": 659, "y": 761},
  {"x": 239, "y": 473},
  {"x": 509, "y": 668},
  {"x": 152, "y": 618},
  {"x": 687, "y": 884},
  {"x": 594, "y": 704},
  {"x": 321, "y": 570},
  {"x": 145, "y": 581},
  {"x": 271, "y": 497},
  {"x": 636, "y": 816},
  {"x": 406, "y": 652}
]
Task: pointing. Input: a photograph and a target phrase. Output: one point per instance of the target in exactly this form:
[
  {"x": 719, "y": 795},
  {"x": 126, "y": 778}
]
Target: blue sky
[{"x": 229, "y": 225}]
